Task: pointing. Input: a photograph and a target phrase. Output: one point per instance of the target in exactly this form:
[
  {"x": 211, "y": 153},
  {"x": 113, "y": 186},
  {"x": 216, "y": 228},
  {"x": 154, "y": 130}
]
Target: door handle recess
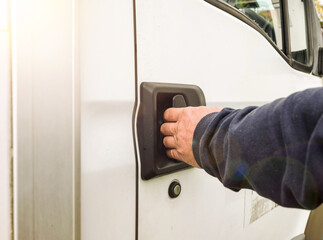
[{"x": 155, "y": 98}]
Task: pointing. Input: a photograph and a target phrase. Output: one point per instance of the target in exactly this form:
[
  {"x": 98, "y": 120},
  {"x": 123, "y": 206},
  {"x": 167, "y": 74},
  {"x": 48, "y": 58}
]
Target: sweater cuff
[{"x": 198, "y": 133}]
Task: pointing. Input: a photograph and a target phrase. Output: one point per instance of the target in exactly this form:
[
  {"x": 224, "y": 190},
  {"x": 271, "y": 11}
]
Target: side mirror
[{"x": 320, "y": 62}]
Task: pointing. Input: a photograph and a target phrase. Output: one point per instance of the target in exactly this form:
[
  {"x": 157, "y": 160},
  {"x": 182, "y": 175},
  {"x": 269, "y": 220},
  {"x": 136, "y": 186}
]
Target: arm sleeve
[{"x": 275, "y": 149}]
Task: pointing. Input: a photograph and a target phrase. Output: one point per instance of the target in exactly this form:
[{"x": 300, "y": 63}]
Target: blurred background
[{"x": 319, "y": 8}]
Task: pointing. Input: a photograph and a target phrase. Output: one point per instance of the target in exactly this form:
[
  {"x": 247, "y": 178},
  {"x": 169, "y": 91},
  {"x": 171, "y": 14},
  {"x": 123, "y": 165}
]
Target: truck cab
[{"x": 89, "y": 81}]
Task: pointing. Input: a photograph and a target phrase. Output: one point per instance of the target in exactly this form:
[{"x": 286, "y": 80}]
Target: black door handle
[{"x": 155, "y": 98}]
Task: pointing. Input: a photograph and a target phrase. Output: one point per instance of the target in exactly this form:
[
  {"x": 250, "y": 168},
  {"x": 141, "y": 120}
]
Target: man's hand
[{"x": 179, "y": 129}]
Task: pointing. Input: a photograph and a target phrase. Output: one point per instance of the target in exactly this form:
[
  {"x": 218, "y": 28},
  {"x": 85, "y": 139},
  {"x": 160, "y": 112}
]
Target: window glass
[
  {"x": 266, "y": 13},
  {"x": 298, "y": 31}
]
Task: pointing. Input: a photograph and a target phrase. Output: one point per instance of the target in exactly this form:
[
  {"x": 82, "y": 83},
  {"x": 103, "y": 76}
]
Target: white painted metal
[
  {"x": 4, "y": 16},
  {"x": 46, "y": 143},
  {"x": 5, "y": 125},
  {"x": 58, "y": 44},
  {"x": 108, "y": 192},
  {"x": 192, "y": 42}
]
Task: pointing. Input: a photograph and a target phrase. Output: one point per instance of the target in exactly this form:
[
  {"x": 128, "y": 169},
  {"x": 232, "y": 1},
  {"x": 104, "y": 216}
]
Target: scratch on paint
[{"x": 256, "y": 207}]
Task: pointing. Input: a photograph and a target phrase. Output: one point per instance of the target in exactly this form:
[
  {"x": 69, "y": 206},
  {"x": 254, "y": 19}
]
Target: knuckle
[
  {"x": 175, "y": 129},
  {"x": 170, "y": 153},
  {"x": 189, "y": 110},
  {"x": 181, "y": 151},
  {"x": 166, "y": 113},
  {"x": 185, "y": 112},
  {"x": 174, "y": 154},
  {"x": 162, "y": 128},
  {"x": 181, "y": 128}
]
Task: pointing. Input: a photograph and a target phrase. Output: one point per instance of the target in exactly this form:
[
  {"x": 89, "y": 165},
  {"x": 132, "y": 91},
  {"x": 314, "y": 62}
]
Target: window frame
[{"x": 285, "y": 53}]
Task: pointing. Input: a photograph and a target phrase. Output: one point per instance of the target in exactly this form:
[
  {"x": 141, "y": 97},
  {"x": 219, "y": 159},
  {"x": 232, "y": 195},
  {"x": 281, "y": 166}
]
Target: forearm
[{"x": 276, "y": 149}]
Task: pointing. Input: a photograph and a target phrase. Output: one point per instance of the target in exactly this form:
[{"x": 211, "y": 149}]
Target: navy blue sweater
[{"x": 275, "y": 149}]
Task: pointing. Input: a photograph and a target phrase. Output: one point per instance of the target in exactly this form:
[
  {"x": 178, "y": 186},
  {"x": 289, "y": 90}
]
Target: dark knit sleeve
[{"x": 275, "y": 149}]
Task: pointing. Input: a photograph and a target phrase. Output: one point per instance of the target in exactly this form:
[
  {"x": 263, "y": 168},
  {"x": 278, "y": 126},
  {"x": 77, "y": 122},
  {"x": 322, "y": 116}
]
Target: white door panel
[
  {"x": 108, "y": 169},
  {"x": 5, "y": 125},
  {"x": 106, "y": 50},
  {"x": 192, "y": 42}
]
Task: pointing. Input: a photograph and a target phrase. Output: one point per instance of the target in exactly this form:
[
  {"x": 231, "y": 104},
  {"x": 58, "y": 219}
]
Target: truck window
[
  {"x": 265, "y": 13},
  {"x": 298, "y": 31}
]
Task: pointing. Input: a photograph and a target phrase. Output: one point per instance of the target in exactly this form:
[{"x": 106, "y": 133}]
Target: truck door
[{"x": 238, "y": 53}]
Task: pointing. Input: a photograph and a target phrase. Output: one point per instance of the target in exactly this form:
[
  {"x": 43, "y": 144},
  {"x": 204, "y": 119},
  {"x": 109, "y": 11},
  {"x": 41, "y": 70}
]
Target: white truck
[{"x": 83, "y": 87}]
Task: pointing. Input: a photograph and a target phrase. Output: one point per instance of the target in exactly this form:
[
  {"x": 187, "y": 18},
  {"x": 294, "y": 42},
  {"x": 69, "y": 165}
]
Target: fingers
[
  {"x": 169, "y": 142},
  {"x": 172, "y": 114},
  {"x": 168, "y": 129},
  {"x": 172, "y": 153}
]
